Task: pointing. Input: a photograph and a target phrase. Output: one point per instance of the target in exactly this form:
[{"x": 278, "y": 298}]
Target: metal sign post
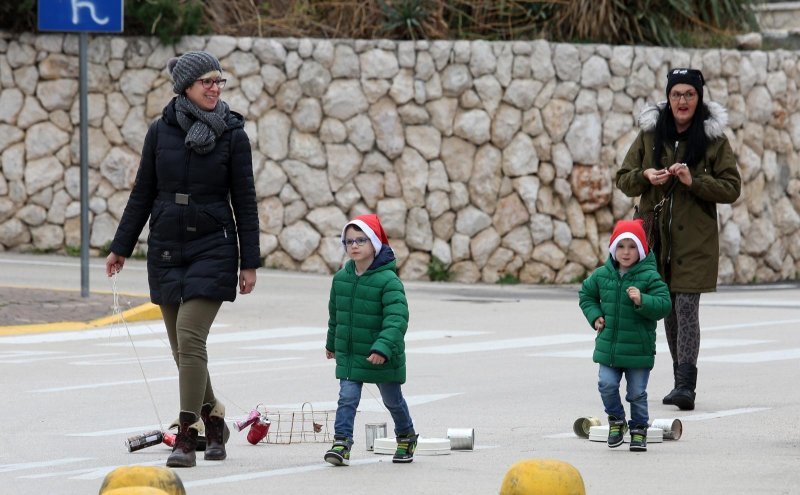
[{"x": 82, "y": 16}]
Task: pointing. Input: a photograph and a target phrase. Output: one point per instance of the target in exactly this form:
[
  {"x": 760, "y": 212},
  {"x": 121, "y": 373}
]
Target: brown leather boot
[
  {"x": 217, "y": 431},
  {"x": 183, "y": 453}
]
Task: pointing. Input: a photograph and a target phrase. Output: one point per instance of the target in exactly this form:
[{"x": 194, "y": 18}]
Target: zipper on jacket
[
  {"x": 180, "y": 217},
  {"x": 616, "y": 318},
  {"x": 350, "y": 327},
  {"x": 669, "y": 218}
]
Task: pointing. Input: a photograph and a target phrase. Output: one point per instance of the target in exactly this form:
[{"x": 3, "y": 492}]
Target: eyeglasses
[
  {"x": 208, "y": 82},
  {"x": 358, "y": 241},
  {"x": 689, "y": 96}
]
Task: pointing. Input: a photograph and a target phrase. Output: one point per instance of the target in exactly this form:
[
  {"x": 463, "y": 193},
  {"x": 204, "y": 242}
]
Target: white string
[
  {"x": 117, "y": 310},
  {"x": 376, "y": 398}
]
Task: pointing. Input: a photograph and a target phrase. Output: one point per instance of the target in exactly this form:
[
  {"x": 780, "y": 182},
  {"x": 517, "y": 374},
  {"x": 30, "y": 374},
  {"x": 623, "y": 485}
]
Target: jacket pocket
[{"x": 208, "y": 220}]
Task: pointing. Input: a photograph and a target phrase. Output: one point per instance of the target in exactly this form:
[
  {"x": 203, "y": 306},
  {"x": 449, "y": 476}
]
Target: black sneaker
[
  {"x": 406, "y": 445},
  {"x": 339, "y": 453},
  {"x": 616, "y": 431},
  {"x": 639, "y": 438}
]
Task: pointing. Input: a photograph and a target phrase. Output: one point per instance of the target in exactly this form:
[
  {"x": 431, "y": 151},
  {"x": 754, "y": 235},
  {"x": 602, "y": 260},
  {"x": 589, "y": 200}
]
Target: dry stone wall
[{"x": 496, "y": 158}]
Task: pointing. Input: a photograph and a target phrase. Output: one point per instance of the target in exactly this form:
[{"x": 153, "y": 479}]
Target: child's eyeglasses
[{"x": 358, "y": 241}]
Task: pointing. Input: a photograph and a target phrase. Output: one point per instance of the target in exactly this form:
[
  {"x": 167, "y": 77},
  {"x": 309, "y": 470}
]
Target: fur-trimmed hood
[{"x": 714, "y": 125}]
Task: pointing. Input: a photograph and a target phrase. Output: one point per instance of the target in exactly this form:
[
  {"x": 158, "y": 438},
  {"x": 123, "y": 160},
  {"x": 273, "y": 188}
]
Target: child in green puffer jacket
[
  {"x": 368, "y": 318},
  {"x": 623, "y": 300}
]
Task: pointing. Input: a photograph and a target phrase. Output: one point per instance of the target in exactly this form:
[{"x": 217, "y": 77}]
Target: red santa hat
[
  {"x": 629, "y": 229},
  {"x": 371, "y": 225}
]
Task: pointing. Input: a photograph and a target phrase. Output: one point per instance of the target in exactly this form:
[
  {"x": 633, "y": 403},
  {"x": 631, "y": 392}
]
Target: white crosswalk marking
[
  {"x": 22, "y": 466},
  {"x": 755, "y": 357},
  {"x": 661, "y": 347},
  {"x": 412, "y": 336},
  {"x": 496, "y": 345}
]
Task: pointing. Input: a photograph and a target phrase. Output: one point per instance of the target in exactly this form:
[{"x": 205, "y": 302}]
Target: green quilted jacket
[
  {"x": 629, "y": 337},
  {"x": 368, "y": 313}
]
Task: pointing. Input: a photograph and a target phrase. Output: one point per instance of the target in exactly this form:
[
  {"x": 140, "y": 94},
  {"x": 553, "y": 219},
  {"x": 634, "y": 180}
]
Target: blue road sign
[{"x": 81, "y": 15}]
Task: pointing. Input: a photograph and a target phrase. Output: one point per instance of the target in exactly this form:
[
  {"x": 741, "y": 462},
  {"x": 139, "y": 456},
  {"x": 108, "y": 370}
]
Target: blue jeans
[
  {"x": 608, "y": 384},
  {"x": 350, "y": 396}
]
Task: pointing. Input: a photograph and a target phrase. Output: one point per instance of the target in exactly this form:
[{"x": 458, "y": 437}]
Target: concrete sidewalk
[{"x": 24, "y": 309}]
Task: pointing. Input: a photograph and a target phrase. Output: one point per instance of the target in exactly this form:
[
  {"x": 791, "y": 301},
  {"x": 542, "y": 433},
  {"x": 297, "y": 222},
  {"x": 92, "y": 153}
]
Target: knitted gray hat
[{"x": 188, "y": 67}]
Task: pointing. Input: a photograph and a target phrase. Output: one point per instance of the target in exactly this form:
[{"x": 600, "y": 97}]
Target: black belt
[{"x": 185, "y": 199}]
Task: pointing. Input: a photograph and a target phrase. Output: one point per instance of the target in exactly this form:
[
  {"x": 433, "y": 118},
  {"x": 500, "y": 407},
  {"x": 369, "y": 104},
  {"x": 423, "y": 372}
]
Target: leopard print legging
[{"x": 682, "y": 326}]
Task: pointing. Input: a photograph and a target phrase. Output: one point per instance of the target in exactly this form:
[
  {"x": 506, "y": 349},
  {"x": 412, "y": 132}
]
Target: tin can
[
  {"x": 171, "y": 438},
  {"x": 258, "y": 431},
  {"x": 373, "y": 432},
  {"x": 252, "y": 418},
  {"x": 144, "y": 440},
  {"x": 673, "y": 428},
  {"x": 461, "y": 438},
  {"x": 582, "y": 426}
]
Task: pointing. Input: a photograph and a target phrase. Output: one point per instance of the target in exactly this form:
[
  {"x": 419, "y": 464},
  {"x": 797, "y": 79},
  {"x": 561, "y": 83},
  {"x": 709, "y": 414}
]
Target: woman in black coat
[{"x": 195, "y": 183}]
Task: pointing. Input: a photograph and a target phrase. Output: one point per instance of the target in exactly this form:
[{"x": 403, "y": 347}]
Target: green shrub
[
  {"x": 438, "y": 271},
  {"x": 166, "y": 19},
  {"x": 508, "y": 279}
]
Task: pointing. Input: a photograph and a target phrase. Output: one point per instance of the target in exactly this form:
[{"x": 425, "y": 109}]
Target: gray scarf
[{"x": 202, "y": 128}]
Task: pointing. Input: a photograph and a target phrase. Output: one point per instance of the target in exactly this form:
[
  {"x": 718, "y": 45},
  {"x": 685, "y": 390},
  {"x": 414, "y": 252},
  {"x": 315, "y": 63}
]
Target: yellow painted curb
[{"x": 143, "y": 312}]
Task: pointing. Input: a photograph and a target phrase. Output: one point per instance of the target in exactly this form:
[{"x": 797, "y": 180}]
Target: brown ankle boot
[
  {"x": 183, "y": 453},
  {"x": 217, "y": 431}
]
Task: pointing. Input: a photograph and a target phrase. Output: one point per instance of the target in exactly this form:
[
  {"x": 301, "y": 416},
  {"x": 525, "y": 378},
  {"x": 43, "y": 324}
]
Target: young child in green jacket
[
  {"x": 623, "y": 300},
  {"x": 368, "y": 318}
]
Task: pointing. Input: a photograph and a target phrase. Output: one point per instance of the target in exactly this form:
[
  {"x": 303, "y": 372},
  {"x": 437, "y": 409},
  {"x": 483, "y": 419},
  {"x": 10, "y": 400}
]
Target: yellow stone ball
[
  {"x": 163, "y": 480},
  {"x": 542, "y": 477}
]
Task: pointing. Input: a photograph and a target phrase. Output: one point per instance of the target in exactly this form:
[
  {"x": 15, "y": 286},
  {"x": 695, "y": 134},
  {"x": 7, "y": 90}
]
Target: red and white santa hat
[
  {"x": 629, "y": 229},
  {"x": 371, "y": 225}
]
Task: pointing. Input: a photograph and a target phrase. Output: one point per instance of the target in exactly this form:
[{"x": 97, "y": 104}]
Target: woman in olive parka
[{"x": 682, "y": 161}]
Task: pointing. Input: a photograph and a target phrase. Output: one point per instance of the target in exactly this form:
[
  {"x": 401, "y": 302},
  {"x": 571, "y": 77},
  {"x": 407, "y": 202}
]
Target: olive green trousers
[{"x": 188, "y": 325}]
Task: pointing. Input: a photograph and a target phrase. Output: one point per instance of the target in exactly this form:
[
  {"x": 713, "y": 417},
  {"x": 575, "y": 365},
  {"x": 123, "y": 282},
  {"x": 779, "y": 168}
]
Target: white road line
[
  {"x": 772, "y": 323},
  {"x": 94, "y": 473},
  {"x": 761, "y": 303},
  {"x": 117, "y": 431},
  {"x": 244, "y": 336},
  {"x": 415, "y": 336},
  {"x": 168, "y": 358},
  {"x": 366, "y": 404},
  {"x": 54, "y": 358},
  {"x": 121, "y": 360},
  {"x": 170, "y": 378},
  {"x": 21, "y": 353},
  {"x": 755, "y": 357},
  {"x": 236, "y": 478},
  {"x": 661, "y": 348},
  {"x": 115, "y": 331},
  {"x": 723, "y": 414},
  {"x": 495, "y": 345},
  {"x": 8, "y": 468}
]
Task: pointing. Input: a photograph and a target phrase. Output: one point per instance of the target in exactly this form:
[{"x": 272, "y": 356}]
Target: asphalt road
[{"x": 512, "y": 362}]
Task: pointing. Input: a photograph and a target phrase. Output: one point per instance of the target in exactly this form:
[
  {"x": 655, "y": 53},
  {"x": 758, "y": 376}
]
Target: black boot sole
[
  {"x": 181, "y": 463},
  {"x": 215, "y": 456}
]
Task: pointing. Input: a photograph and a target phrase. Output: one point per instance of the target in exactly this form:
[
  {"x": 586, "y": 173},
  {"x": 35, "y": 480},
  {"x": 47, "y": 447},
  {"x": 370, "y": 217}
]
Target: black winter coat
[{"x": 192, "y": 245}]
